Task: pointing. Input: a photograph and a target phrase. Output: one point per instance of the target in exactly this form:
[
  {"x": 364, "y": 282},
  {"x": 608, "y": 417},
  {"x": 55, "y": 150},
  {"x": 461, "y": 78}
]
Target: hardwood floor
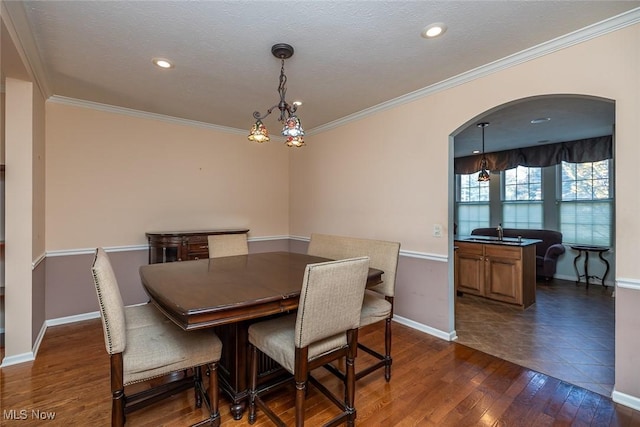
[{"x": 434, "y": 383}]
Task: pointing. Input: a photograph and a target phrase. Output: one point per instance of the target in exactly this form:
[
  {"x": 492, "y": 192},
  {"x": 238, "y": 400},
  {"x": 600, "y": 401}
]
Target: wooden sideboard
[{"x": 170, "y": 246}]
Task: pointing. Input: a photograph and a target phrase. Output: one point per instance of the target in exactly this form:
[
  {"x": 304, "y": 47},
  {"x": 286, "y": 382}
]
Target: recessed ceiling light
[
  {"x": 540, "y": 120},
  {"x": 433, "y": 30},
  {"x": 476, "y": 151},
  {"x": 163, "y": 63}
]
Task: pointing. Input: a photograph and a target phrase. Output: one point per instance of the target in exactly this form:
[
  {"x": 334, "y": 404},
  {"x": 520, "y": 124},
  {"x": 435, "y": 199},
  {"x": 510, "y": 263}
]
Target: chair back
[
  {"x": 221, "y": 245},
  {"x": 383, "y": 255},
  {"x": 110, "y": 301},
  {"x": 331, "y": 299}
]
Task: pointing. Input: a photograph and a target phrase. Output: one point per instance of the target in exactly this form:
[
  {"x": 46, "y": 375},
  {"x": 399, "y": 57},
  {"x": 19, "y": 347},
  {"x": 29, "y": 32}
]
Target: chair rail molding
[{"x": 633, "y": 284}]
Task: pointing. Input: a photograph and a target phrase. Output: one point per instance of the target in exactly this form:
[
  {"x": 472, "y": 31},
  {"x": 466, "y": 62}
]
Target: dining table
[{"x": 227, "y": 294}]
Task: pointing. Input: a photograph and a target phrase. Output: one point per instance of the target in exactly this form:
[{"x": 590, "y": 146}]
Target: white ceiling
[{"x": 349, "y": 55}]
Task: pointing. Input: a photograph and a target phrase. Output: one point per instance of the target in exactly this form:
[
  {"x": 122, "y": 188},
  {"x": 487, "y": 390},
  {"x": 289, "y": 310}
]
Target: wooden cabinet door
[
  {"x": 503, "y": 273},
  {"x": 470, "y": 269}
]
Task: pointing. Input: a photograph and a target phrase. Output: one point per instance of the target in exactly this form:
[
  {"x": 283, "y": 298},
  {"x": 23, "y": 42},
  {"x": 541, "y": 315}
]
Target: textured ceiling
[{"x": 349, "y": 55}]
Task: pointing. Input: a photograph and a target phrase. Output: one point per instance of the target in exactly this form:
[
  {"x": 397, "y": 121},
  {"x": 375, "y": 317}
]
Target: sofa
[{"x": 547, "y": 251}]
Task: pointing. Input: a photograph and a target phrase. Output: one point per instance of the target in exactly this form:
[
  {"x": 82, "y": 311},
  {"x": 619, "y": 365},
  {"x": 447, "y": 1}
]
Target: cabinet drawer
[
  {"x": 198, "y": 247},
  {"x": 499, "y": 251},
  {"x": 470, "y": 248}
]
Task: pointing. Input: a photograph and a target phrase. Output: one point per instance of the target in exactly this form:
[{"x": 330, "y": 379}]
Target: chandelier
[
  {"x": 292, "y": 129},
  {"x": 483, "y": 176}
]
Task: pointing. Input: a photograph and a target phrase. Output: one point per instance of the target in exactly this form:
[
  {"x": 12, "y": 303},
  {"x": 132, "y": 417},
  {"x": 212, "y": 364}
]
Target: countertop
[{"x": 506, "y": 241}]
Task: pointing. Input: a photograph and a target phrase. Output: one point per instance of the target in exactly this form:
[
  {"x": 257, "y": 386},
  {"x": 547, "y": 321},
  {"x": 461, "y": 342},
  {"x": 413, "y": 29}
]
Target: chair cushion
[
  {"x": 276, "y": 339},
  {"x": 374, "y": 309},
  {"x": 158, "y": 349},
  {"x": 137, "y": 316}
]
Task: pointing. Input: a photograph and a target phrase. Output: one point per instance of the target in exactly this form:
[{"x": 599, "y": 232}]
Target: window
[
  {"x": 473, "y": 204},
  {"x": 522, "y": 198},
  {"x": 586, "y": 206}
]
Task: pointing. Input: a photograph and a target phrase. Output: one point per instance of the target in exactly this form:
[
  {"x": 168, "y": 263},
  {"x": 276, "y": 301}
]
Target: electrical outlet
[{"x": 437, "y": 230}]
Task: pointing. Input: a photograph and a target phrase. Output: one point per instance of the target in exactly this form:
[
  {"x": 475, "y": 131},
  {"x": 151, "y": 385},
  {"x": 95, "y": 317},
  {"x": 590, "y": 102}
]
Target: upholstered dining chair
[
  {"x": 378, "y": 300},
  {"x": 143, "y": 345},
  {"x": 227, "y": 245},
  {"x": 325, "y": 328}
]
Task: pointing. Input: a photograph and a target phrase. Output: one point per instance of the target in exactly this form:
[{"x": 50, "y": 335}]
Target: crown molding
[
  {"x": 56, "y": 99},
  {"x": 579, "y": 36},
  {"x": 20, "y": 30}
]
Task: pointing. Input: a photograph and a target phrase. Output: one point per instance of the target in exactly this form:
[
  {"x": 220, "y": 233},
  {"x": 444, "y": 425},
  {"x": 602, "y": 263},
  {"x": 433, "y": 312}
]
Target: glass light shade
[
  {"x": 258, "y": 133},
  {"x": 292, "y": 128},
  {"x": 483, "y": 176},
  {"x": 294, "y": 141}
]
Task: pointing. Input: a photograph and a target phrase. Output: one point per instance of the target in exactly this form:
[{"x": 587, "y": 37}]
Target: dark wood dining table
[{"x": 228, "y": 294}]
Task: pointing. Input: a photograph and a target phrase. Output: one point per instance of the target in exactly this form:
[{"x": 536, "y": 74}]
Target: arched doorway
[{"x": 568, "y": 333}]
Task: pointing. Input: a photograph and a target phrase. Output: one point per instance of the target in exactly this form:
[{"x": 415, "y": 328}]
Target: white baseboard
[
  {"x": 18, "y": 358},
  {"x": 572, "y": 278},
  {"x": 424, "y": 328},
  {"x": 72, "y": 319},
  {"x": 39, "y": 338},
  {"x": 626, "y": 400}
]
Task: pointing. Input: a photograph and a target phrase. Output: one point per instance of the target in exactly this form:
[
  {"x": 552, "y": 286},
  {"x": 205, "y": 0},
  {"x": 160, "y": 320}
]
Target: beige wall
[
  {"x": 386, "y": 175},
  {"x": 111, "y": 177}
]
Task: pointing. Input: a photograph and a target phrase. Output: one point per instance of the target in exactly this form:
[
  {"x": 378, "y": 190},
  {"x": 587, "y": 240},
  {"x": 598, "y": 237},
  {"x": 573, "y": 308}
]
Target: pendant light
[
  {"x": 483, "y": 176},
  {"x": 292, "y": 130}
]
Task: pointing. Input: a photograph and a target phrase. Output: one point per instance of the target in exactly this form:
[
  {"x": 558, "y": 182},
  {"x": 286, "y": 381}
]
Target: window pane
[
  {"x": 473, "y": 204},
  {"x": 523, "y": 183},
  {"x": 472, "y": 216},
  {"x": 585, "y": 181},
  {"x": 522, "y": 215},
  {"x": 473, "y": 191},
  {"x": 586, "y": 207}
]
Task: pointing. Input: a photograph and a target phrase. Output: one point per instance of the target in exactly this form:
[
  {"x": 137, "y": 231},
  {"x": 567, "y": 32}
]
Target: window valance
[{"x": 579, "y": 151}]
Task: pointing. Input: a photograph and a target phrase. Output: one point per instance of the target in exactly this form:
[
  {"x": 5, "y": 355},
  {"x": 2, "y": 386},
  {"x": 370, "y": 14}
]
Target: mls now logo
[{"x": 23, "y": 414}]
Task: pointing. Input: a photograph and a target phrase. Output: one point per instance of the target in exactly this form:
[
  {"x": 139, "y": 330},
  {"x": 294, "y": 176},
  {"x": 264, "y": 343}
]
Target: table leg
[
  {"x": 575, "y": 266},
  {"x": 606, "y": 271},
  {"x": 586, "y": 267}
]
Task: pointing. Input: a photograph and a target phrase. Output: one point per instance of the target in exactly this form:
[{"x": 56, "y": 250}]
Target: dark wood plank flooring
[{"x": 434, "y": 383}]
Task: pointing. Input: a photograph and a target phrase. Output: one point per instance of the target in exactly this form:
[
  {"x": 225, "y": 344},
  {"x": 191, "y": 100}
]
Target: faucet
[{"x": 500, "y": 232}]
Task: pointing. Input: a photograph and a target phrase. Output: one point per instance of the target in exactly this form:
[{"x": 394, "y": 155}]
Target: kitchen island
[{"x": 498, "y": 269}]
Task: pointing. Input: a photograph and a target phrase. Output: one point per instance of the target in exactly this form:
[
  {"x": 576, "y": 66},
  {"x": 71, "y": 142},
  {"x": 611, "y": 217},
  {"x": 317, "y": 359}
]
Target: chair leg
[
  {"x": 387, "y": 350},
  {"x": 117, "y": 391},
  {"x": 301, "y": 375},
  {"x": 350, "y": 381},
  {"x": 301, "y": 397},
  {"x": 254, "y": 381},
  {"x": 117, "y": 408},
  {"x": 213, "y": 394}
]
